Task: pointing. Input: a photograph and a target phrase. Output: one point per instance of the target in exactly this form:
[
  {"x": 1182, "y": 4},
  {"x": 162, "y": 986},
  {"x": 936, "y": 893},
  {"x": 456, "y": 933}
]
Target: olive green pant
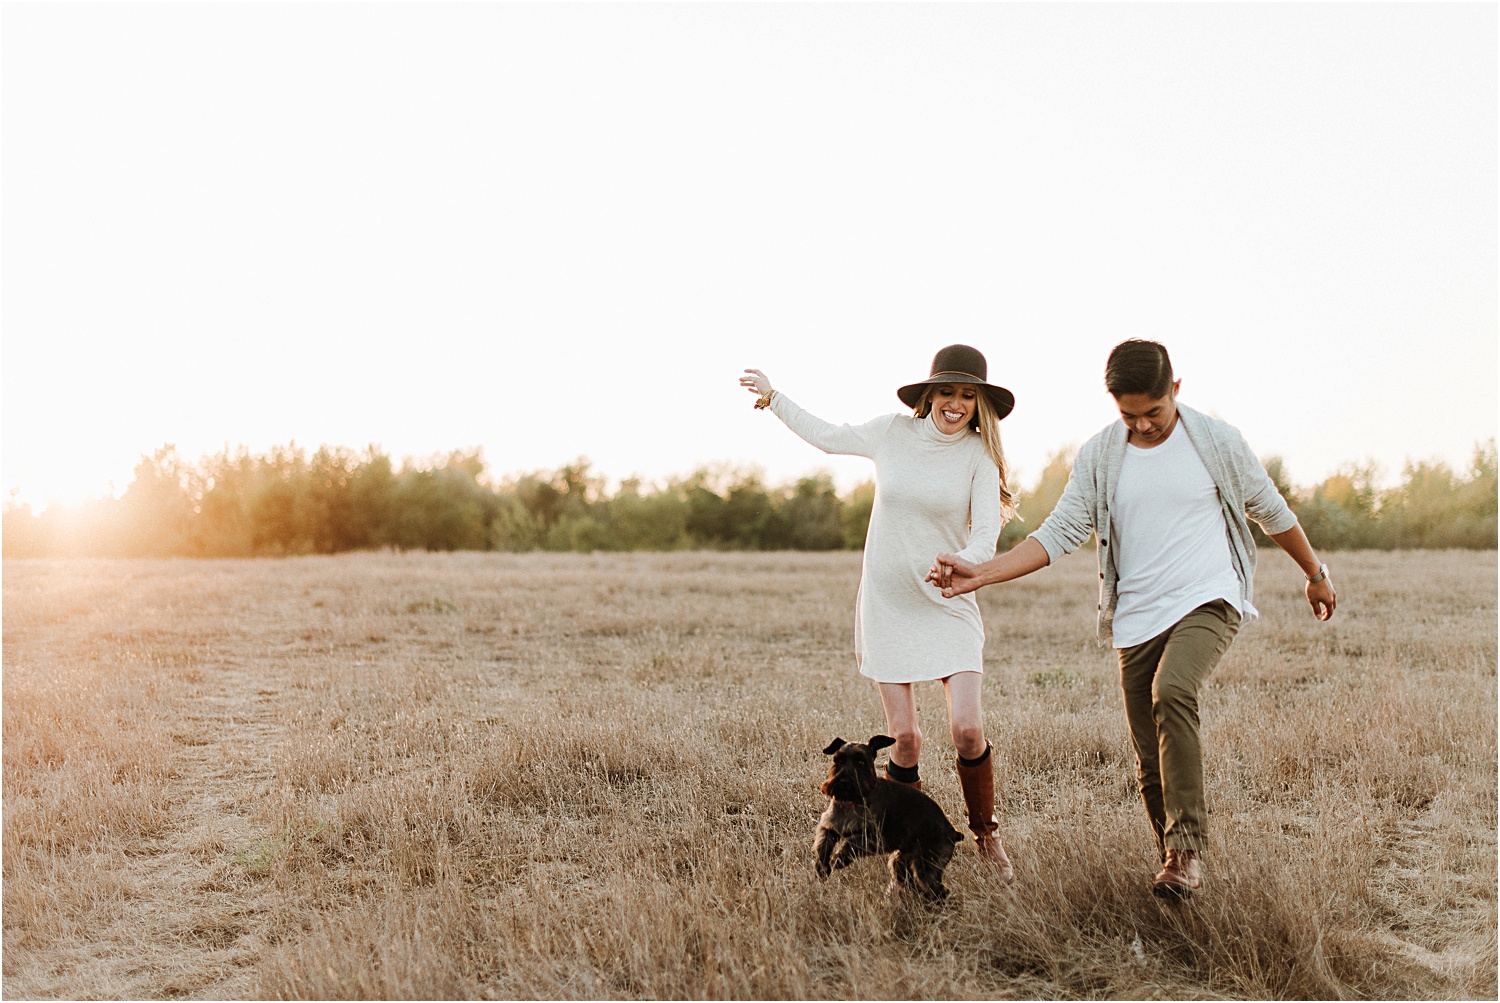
[{"x": 1160, "y": 678}]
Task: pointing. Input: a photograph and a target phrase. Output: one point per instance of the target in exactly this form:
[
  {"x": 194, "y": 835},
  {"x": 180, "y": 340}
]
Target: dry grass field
[{"x": 481, "y": 775}]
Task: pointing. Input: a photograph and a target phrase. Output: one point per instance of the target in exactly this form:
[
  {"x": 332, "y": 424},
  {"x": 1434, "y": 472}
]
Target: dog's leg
[
  {"x": 824, "y": 844},
  {"x": 941, "y": 855},
  {"x": 845, "y": 853},
  {"x": 927, "y": 874},
  {"x": 901, "y": 872},
  {"x": 920, "y": 868}
]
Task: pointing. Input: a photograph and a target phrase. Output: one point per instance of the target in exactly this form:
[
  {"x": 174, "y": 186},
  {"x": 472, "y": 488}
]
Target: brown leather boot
[
  {"x": 1180, "y": 876},
  {"x": 898, "y": 773},
  {"x": 978, "y": 782}
]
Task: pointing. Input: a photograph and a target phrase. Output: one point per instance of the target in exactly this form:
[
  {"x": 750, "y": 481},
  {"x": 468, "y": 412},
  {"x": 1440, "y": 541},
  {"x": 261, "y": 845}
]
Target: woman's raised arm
[{"x": 852, "y": 440}]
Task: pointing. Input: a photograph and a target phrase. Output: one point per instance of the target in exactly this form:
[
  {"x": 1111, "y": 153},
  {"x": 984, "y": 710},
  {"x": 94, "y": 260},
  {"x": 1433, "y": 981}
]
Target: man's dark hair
[{"x": 1138, "y": 366}]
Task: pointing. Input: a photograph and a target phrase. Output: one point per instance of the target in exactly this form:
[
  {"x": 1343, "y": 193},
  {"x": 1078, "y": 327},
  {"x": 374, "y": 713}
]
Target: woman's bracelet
[{"x": 765, "y": 399}]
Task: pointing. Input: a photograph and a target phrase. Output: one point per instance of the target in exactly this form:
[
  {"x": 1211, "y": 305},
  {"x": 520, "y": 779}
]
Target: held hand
[
  {"x": 757, "y": 383},
  {"x": 1322, "y": 599},
  {"x": 953, "y": 575}
]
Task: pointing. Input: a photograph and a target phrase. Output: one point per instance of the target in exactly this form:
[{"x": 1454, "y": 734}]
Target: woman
[{"x": 940, "y": 486}]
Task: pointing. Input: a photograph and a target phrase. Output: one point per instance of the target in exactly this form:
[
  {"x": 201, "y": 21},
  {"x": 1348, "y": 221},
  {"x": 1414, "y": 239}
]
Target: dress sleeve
[
  {"x": 851, "y": 440},
  {"x": 984, "y": 513}
]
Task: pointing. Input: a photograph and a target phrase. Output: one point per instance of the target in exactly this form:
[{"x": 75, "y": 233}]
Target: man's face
[{"x": 1150, "y": 419}]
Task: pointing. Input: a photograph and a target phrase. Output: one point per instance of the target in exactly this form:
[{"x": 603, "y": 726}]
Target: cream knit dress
[{"x": 934, "y": 493}]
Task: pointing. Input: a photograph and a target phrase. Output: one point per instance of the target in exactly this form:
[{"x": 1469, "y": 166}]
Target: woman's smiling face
[{"x": 953, "y": 406}]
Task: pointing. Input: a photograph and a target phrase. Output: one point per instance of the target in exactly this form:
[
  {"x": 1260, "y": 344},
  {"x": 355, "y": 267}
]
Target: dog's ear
[
  {"x": 878, "y": 742},
  {"x": 834, "y": 746}
]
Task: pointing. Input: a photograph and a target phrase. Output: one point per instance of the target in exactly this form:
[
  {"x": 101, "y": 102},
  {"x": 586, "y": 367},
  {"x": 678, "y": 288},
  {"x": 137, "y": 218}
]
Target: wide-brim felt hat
[{"x": 960, "y": 364}]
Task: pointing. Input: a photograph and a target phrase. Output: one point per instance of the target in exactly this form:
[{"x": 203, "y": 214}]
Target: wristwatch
[{"x": 1322, "y": 574}]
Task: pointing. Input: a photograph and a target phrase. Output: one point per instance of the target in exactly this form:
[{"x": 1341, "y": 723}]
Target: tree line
[{"x": 283, "y": 502}]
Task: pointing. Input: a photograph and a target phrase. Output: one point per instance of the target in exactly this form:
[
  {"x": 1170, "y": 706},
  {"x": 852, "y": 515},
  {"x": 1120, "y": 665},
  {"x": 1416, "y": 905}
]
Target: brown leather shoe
[
  {"x": 978, "y": 783},
  {"x": 993, "y": 851},
  {"x": 1179, "y": 877}
]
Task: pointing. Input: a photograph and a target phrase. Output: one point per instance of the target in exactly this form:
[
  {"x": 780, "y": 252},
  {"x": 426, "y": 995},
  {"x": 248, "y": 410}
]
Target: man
[{"x": 1169, "y": 492}]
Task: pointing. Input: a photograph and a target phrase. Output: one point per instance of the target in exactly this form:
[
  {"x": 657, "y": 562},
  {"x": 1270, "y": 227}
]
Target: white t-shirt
[{"x": 1170, "y": 538}]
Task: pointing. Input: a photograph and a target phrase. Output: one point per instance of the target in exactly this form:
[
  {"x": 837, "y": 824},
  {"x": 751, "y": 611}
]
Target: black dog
[{"x": 869, "y": 814}]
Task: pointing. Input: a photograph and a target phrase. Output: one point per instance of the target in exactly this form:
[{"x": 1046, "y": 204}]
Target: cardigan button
[{"x": 1103, "y": 543}]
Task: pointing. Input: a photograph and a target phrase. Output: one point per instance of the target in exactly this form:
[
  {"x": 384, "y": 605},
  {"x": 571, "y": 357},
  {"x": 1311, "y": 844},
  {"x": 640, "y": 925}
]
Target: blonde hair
[{"x": 988, "y": 424}]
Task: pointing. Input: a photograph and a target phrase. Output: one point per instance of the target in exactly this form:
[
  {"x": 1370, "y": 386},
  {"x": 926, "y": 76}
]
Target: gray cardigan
[{"x": 1245, "y": 489}]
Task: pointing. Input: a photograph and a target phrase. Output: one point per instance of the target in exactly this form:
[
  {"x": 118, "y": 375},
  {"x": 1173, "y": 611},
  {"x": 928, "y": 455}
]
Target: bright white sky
[{"x": 559, "y": 230}]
